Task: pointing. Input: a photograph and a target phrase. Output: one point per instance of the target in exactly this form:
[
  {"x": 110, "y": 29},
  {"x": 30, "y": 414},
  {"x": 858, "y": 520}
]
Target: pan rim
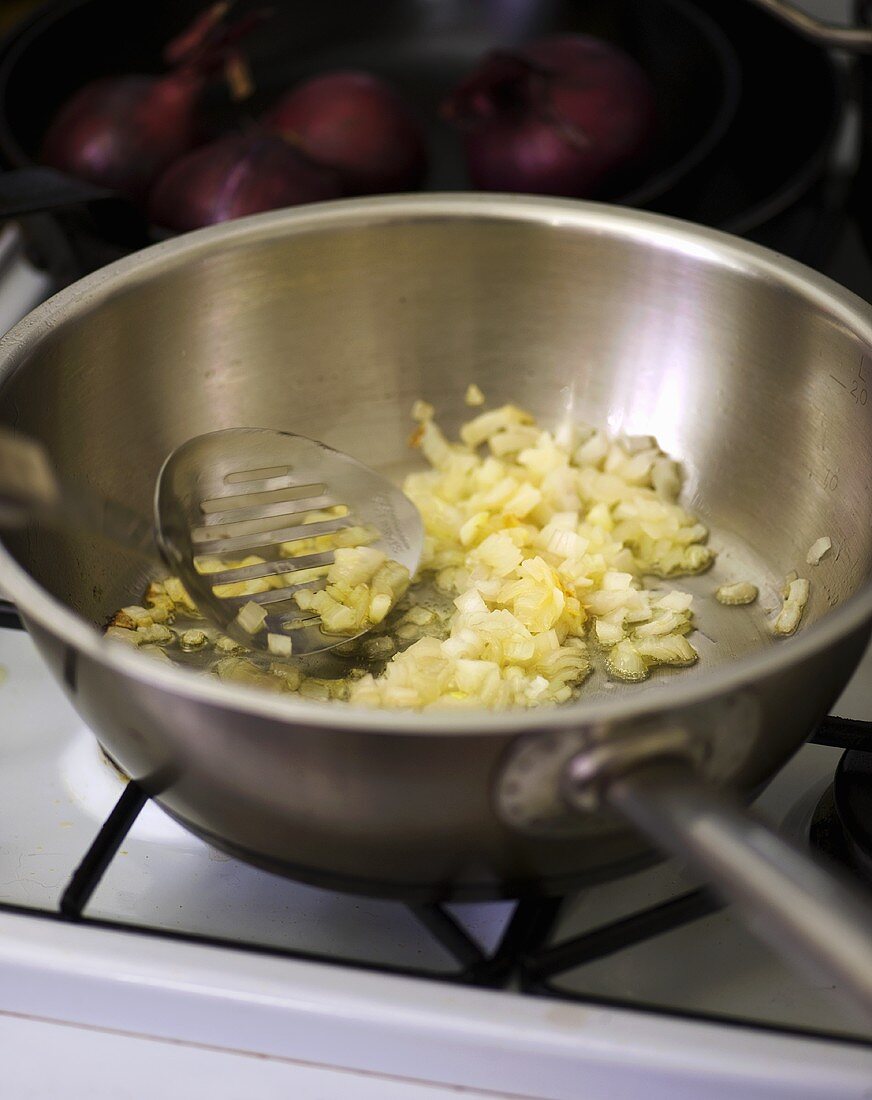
[{"x": 38, "y": 606}]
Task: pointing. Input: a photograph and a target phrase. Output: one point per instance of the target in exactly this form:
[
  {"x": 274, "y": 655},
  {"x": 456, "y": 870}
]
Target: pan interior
[{"x": 755, "y": 381}]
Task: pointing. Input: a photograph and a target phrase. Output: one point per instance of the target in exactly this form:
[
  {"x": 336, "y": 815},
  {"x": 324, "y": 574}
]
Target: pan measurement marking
[
  {"x": 859, "y": 391},
  {"x": 839, "y": 382},
  {"x": 830, "y": 480}
]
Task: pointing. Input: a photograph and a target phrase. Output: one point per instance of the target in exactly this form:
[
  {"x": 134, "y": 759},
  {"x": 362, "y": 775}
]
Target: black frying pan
[{"x": 425, "y": 48}]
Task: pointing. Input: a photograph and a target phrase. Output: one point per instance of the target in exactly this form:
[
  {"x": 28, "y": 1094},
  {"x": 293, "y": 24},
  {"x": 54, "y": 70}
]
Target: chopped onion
[
  {"x": 540, "y": 542},
  {"x": 818, "y": 549},
  {"x": 736, "y": 595},
  {"x": 608, "y": 633},
  {"x": 474, "y": 396},
  {"x": 138, "y": 615},
  {"x": 793, "y": 607},
  {"x": 251, "y": 617},
  {"x": 121, "y": 634},
  {"x": 674, "y": 649},
  {"x": 156, "y": 634},
  {"x": 477, "y": 431},
  {"x": 281, "y": 645},
  {"x": 626, "y": 663},
  {"x": 176, "y": 592},
  {"x": 420, "y": 616}
]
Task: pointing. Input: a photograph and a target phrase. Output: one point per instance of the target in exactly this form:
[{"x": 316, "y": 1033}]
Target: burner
[{"x": 841, "y": 827}]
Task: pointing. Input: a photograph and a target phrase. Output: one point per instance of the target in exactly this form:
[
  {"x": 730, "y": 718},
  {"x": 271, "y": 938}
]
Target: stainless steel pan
[{"x": 331, "y": 320}]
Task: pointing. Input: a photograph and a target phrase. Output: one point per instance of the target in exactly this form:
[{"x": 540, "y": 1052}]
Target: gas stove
[{"x": 136, "y": 960}]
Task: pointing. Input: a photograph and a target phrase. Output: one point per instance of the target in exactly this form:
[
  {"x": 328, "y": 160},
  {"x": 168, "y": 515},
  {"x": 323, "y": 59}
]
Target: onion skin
[
  {"x": 236, "y": 175},
  {"x": 356, "y": 123},
  {"x": 556, "y": 117},
  {"x": 120, "y": 132}
]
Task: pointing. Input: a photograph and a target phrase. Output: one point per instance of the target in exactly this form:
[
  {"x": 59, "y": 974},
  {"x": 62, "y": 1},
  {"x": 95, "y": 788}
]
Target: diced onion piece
[
  {"x": 794, "y": 604},
  {"x": 617, "y": 582},
  {"x": 243, "y": 671},
  {"x": 252, "y": 616},
  {"x": 662, "y": 625},
  {"x": 378, "y": 648},
  {"x": 818, "y": 549},
  {"x": 420, "y": 616},
  {"x": 673, "y": 649},
  {"x": 339, "y": 618},
  {"x": 355, "y": 565},
  {"x": 156, "y": 634},
  {"x": 626, "y": 663},
  {"x": 281, "y": 645},
  {"x": 196, "y": 639},
  {"x": 473, "y": 396},
  {"x": 666, "y": 478},
  {"x": 434, "y": 446},
  {"x": 592, "y": 451},
  {"x": 138, "y": 615},
  {"x": 315, "y": 689},
  {"x": 176, "y": 592},
  {"x": 379, "y": 606},
  {"x": 736, "y": 595},
  {"x": 121, "y": 634},
  {"x": 474, "y": 528},
  {"x": 305, "y": 599},
  {"x": 228, "y": 646},
  {"x": 608, "y": 633},
  {"x": 633, "y": 444},
  {"x": 676, "y": 601},
  {"x": 161, "y": 607},
  {"x": 290, "y": 675},
  {"x": 421, "y": 411},
  {"x": 477, "y": 431},
  {"x": 512, "y": 440},
  {"x": 565, "y": 544}
]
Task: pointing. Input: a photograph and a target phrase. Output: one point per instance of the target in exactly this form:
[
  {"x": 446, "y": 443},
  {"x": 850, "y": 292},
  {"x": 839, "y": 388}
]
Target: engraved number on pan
[{"x": 859, "y": 392}]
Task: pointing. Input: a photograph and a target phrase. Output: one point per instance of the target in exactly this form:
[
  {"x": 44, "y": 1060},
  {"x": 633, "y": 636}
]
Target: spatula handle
[
  {"x": 28, "y": 486},
  {"x": 29, "y": 490}
]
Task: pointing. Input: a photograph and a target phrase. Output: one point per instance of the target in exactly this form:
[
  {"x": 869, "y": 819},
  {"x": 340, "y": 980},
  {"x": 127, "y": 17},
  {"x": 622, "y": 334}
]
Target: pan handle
[
  {"x": 855, "y": 39},
  {"x": 803, "y": 911}
]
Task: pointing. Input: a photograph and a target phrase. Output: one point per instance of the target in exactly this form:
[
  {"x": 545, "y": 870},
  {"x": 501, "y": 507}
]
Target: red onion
[
  {"x": 357, "y": 124},
  {"x": 120, "y": 132},
  {"x": 236, "y": 175},
  {"x": 555, "y": 117}
]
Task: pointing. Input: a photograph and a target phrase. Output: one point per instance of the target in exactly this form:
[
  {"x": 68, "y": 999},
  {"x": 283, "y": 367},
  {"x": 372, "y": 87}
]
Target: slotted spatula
[{"x": 229, "y": 495}]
